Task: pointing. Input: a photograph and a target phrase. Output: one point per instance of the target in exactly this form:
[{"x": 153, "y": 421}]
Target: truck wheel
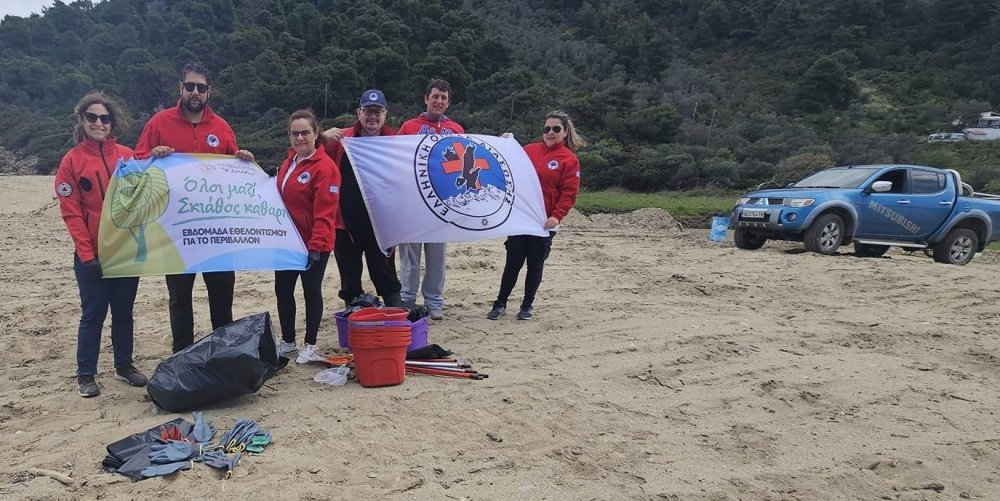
[
  {"x": 749, "y": 241},
  {"x": 869, "y": 250},
  {"x": 825, "y": 234},
  {"x": 957, "y": 248}
]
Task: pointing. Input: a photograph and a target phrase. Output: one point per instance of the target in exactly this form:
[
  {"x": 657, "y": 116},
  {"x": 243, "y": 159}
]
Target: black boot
[{"x": 392, "y": 300}]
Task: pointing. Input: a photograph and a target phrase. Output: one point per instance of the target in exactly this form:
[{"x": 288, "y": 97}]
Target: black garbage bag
[
  {"x": 234, "y": 360},
  {"x": 428, "y": 352},
  {"x": 417, "y": 313},
  {"x": 130, "y": 455},
  {"x": 363, "y": 300}
]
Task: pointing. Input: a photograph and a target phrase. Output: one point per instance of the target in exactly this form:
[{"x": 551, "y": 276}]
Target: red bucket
[
  {"x": 379, "y": 354},
  {"x": 379, "y": 314}
]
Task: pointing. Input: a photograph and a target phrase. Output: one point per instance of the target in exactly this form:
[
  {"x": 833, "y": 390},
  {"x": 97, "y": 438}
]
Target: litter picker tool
[{"x": 445, "y": 373}]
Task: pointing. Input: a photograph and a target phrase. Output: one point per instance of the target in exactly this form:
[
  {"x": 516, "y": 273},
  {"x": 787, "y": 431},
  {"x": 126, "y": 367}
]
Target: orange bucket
[
  {"x": 379, "y": 354},
  {"x": 379, "y": 314}
]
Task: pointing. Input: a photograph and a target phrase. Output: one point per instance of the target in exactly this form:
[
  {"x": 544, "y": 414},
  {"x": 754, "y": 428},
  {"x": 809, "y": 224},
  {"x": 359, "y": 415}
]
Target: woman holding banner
[
  {"x": 558, "y": 173},
  {"x": 81, "y": 181},
  {"x": 309, "y": 183}
]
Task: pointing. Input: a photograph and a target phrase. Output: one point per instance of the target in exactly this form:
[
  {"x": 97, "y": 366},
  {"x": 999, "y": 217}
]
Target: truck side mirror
[{"x": 881, "y": 186}]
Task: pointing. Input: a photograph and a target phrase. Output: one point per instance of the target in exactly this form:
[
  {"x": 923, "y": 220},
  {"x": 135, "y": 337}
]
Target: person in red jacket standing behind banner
[
  {"x": 437, "y": 98},
  {"x": 192, "y": 127},
  {"x": 81, "y": 183},
  {"x": 309, "y": 183},
  {"x": 559, "y": 175}
]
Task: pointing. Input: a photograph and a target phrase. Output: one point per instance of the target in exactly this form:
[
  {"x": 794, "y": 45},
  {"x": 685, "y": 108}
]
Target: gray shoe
[
  {"x": 525, "y": 313},
  {"x": 436, "y": 313},
  {"x": 496, "y": 312},
  {"x": 130, "y": 375},
  {"x": 285, "y": 349},
  {"x": 88, "y": 387}
]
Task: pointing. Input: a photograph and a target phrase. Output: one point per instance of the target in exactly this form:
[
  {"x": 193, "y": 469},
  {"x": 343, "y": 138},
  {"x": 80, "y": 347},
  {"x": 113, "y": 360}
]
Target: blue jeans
[
  {"x": 434, "y": 273},
  {"x": 96, "y": 295}
]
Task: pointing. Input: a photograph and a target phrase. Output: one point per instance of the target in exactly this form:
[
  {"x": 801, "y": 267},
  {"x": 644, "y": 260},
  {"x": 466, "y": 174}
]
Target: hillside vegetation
[{"x": 670, "y": 94}]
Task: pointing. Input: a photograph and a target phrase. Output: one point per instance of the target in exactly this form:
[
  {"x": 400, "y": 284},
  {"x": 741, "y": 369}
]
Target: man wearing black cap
[{"x": 355, "y": 236}]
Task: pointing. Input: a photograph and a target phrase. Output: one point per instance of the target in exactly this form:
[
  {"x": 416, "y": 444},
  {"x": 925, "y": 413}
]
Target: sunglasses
[
  {"x": 299, "y": 133},
  {"x": 555, "y": 128},
  {"x": 191, "y": 86},
  {"x": 94, "y": 117}
]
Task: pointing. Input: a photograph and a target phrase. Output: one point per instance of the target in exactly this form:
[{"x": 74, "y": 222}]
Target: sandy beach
[{"x": 658, "y": 366}]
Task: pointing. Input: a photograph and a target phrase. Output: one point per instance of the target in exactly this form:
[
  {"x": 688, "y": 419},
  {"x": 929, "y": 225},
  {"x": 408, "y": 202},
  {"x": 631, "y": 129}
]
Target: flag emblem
[{"x": 464, "y": 181}]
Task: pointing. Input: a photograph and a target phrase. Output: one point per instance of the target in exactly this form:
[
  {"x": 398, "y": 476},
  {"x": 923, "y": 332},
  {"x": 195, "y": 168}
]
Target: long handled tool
[
  {"x": 421, "y": 363},
  {"x": 436, "y": 360},
  {"x": 446, "y": 373},
  {"x": 448, "y": 369}
]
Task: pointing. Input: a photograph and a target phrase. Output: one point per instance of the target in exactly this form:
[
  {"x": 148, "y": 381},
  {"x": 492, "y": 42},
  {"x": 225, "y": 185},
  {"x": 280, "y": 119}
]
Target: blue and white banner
[
  {"x": 187, "y": 213},
  {"x": 429, "y": 188}
]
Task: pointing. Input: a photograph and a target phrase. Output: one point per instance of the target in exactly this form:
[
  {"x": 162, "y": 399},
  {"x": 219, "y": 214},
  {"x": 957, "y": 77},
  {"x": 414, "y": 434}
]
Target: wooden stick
[{"x": 54, "y": 475}]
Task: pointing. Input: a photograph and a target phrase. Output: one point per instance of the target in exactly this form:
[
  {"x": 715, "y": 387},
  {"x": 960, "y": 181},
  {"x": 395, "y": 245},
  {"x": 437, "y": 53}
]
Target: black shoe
[
  {"x": 392, "y": 300},
  {"x": 525, "y": 313},
  {"x": 88, "y": 387},
  {"x": 496, "y": 312},
  {"x": 131, "y": 375}
]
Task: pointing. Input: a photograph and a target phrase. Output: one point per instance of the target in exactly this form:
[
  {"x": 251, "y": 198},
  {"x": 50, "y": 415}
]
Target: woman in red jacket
[
  {"x": 309, "y": 183},
  {"x": 80, "y": 184},
  {"x": 559, "y": 175}
]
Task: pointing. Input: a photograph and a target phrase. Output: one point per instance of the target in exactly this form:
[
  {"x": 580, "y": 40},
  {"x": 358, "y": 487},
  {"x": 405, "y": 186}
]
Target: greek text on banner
[{"x": 189, "y": 213}]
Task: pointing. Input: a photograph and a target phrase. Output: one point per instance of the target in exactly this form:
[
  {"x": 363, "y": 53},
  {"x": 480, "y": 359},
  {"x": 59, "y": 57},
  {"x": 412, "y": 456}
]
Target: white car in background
[{"x": 946, "y": 137}]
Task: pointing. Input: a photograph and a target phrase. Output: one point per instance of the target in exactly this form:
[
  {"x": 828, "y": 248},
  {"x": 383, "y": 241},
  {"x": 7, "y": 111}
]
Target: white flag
[{"x": 430, "y": 188}]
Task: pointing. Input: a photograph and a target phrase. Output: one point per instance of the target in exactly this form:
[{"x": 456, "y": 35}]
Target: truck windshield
[{"x": 837, "y": 178}]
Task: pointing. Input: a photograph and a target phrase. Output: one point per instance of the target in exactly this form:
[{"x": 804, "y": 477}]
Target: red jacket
[
  {"x": 335, "y": 150},
  {"x": 423, "y": 124},
  {"x": 171, "y": 128},
  {"x": 559, "y": 174},
  {"x": 312, "y": 197},
  {"x": 81, "y": 181},
  {"x": 352, "y": 205}
]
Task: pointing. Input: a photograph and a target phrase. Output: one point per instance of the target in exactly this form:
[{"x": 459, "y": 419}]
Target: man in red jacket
[
  {"x": 355, "y": 234},
  {"x": 192, "y": 127},
  {"x": 437, "y": 98}
]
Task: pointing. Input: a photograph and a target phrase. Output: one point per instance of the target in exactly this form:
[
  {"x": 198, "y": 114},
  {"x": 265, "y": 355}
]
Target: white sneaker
[
  {"x": 309, "y": 354},
  {"x": 285, "y": 349}
]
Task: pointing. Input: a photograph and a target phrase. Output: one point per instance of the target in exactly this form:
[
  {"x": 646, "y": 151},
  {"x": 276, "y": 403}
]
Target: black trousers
[
  {"x": 220, "y": 286},
  {"x": 312, "y": 293},
  {"x": 520, "y": 249},
  {"x": 350, "y": 249}
]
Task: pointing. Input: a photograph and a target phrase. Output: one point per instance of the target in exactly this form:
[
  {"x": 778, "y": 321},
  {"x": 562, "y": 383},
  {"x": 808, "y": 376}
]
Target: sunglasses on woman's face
[
  {"x": 191, "y": 86},
  {"x": 94, "y": 117},
  {"x": 554, "y": 128}
]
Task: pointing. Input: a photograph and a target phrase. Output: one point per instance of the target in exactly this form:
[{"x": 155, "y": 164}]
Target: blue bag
[{"x": 720, "y": 225}]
